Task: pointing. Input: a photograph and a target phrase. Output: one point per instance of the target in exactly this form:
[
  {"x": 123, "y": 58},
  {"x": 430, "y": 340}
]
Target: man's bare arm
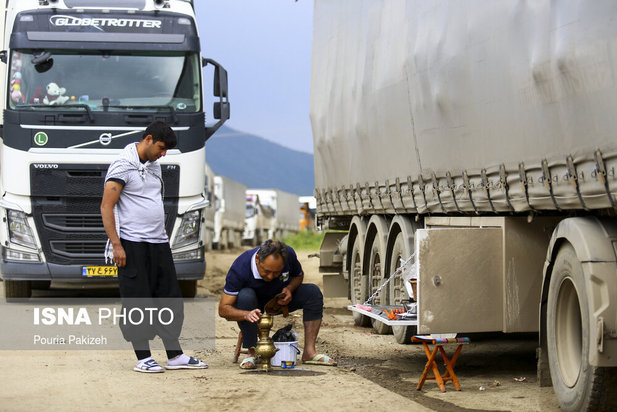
[
  {"x": 228, "y": 311},
  {"x": 111, "y": 195}
]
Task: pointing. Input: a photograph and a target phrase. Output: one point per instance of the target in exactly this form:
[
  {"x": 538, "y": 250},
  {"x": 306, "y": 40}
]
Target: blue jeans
[{"x": 307, "y": 297}]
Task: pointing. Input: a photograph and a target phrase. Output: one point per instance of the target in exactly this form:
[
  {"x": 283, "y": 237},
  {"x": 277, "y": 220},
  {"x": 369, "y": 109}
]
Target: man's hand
[
  {"x": 253, "y": 316},
  {"x": 119, "y": 255},
  {"x": 285, "y": 299}
]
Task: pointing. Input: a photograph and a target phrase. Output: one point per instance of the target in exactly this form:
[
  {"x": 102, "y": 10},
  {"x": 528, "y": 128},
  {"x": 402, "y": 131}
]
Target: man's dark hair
[
  {"x": 161, "y": 132},
  {"x": 272, "y": 248}
]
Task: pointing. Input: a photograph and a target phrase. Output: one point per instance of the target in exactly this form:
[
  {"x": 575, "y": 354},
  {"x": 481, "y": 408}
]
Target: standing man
[
  {"x": 134, "y": 219},
  {"x": 257, "y": 276}
]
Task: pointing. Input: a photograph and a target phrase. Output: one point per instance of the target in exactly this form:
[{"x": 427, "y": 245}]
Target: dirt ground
[{"x": 374, "y": 372}]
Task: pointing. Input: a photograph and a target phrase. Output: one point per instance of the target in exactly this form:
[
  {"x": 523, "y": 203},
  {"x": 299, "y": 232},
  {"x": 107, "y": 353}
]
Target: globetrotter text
[{"x": 61, "y": 20}]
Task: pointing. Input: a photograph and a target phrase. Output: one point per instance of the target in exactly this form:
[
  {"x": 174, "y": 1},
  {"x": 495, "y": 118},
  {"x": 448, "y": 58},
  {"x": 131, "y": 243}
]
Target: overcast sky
[{"x": 265, "y": 45}]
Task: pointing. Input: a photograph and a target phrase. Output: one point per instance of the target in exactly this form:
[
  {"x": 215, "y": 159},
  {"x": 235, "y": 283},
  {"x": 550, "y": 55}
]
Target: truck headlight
[
  {"x": 194, "y": 254},
  {"x": 12, "y": 254},
  {"x": 188, "y": 232},
  {"x": 19, "y": 229}
]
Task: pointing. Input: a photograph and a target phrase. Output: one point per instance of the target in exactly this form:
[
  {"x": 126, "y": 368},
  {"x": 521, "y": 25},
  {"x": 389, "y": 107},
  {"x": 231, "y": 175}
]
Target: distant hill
[{"x": 260, "y": 163}]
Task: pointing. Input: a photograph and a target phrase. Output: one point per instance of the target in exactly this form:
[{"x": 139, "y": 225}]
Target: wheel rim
[
  {"x": 397, "y": 282},
  {"x": 357, "y": 281},
  {"x": 568, "y": 333},
  {"x": 377, "y": 276}
]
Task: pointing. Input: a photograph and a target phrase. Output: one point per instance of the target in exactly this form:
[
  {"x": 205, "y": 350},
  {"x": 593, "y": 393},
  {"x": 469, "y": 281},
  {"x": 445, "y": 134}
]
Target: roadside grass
[{"x": 306, "y": 240}]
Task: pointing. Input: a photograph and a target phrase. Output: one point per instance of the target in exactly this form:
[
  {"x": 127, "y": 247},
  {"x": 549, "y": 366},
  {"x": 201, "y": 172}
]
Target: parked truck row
[
  {"x": 238, "y": 216},
  {"x": 479, "y": 139},
  {"x": 270, "y": 214}
]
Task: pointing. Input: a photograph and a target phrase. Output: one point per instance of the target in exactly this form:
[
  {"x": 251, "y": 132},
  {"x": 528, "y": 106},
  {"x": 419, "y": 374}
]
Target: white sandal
[{"x": 148, "y": 365}]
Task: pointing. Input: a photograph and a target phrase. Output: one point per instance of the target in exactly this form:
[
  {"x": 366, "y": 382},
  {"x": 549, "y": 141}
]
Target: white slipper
[
  {"x": 148, "y": 365},
  {"x": 191, "y": 364}
]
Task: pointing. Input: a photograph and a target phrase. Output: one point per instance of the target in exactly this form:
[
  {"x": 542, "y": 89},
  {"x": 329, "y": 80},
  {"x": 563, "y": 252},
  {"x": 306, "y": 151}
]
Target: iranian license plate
[{"x": 97, "y": 271}]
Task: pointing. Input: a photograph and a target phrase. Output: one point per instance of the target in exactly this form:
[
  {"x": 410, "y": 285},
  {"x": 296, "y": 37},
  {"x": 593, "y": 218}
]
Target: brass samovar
[{"x": 265, "y": 348}]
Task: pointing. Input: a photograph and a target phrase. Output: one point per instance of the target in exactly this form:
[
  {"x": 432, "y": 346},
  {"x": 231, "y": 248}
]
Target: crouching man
[{"x": 257, "y": 276}]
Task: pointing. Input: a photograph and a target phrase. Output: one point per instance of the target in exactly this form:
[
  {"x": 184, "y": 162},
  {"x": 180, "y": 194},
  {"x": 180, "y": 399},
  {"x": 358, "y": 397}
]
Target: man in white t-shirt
[{"x": 134, "y": 219}]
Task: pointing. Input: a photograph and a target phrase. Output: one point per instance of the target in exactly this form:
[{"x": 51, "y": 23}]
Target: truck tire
[
  {"x": 188, "y": 288},
  {"x": 358, "y": 284},
  {"x": 17, "y": 289},
  {"x": 376, "y": 271},
  {"x": 396, "y": 290},
  {"x": 577, "y": 385}
]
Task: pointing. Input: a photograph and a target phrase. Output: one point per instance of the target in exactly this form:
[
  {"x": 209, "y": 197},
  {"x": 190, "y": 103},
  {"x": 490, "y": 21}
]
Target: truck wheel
[
  {"x": 396, "y": 290},
  {"x": 376, "y": 269},
  {"x": 188, "y": 288},
  {"x": 17, "y": 289},
  {"x": 577, "y": 385},
  {"x": 358, "y": 283}
]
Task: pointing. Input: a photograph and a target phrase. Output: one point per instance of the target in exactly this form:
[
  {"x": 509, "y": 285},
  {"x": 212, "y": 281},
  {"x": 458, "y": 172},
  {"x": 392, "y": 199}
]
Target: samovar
[{"x": 265, "y": 348}]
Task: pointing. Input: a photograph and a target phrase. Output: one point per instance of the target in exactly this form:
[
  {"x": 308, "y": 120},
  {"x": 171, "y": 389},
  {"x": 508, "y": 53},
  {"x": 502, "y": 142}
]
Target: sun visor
[{"x": 109, "y": 31}]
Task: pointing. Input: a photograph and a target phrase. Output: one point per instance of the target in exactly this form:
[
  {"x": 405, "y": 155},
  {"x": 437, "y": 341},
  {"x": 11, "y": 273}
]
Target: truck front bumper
[{"x": 190, "y": 270}]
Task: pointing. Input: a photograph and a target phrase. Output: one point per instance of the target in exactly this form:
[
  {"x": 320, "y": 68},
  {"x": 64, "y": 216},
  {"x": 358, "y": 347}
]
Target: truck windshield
[
  {"x": 250, "y": 211},
  {"x": 110, "y": 81}
]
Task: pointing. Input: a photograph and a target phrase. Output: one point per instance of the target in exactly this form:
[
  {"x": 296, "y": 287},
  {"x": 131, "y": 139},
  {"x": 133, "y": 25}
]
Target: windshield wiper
[
  {"x": 47, "y": 106},
  {"x": 85, "y": 106}
]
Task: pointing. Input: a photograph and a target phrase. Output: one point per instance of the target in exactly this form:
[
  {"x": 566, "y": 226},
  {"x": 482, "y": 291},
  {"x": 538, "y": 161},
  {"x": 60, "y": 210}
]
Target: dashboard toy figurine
[{"x": 55, "y": 94}]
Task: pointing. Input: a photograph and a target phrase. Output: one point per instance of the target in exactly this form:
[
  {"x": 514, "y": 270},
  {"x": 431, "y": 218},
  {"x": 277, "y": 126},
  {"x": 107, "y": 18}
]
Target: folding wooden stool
[
  {"x": 238, "y": 350},
  {"x": 431, "y": 364}
]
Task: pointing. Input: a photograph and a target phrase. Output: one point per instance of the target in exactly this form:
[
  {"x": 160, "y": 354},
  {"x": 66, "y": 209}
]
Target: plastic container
[{"x": 287, "y": 354}]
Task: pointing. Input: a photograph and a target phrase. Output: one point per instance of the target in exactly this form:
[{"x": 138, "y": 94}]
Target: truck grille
[
  {"x": 78, "y": 249},
  {"x": 79, "y": 223},
  {"x": 66, "y": 209}
]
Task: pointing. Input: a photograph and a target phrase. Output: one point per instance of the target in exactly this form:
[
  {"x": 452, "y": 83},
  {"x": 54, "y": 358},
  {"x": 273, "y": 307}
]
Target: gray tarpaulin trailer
[{"x": 480, "y": 135}]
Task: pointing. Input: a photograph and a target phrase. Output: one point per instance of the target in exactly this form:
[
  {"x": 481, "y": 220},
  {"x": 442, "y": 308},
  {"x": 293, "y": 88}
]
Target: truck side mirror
[
  {"x": 220, "y": 82},
  {"x": 220, "y": 77},
  {"x": 221, "y": 109}
]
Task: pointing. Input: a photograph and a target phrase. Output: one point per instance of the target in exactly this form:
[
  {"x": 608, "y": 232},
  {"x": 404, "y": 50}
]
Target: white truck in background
[
  {"x": 229, "y": 213},
  {"x": 477, "y": 138},
  {"x": 258, "y": 219},
  {"x": 79, "y": 80},
  {"x": 270, "y": 214}
]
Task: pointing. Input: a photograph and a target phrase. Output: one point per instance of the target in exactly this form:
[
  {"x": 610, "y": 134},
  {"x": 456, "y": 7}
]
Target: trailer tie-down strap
[
  {"x": 524, "y": 184},
  {"x": 546, "y": 176},
  {"x": 468, "y": 191},
  {"x": 601, "y": 170},
  {"x": 503, "y": 180},
  {"x": 573, "y": 177},
  {"x": 487, "y": 191},
  {"x": 452, "y": 188},
  {"x": 437, "y": 192}
]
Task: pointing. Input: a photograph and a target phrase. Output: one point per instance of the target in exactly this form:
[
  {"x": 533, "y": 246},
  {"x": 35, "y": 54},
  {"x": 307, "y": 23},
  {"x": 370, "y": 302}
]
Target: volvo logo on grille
[
  {"x": 105, "y": 139},
  {"x": 45, "y": 166}
]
